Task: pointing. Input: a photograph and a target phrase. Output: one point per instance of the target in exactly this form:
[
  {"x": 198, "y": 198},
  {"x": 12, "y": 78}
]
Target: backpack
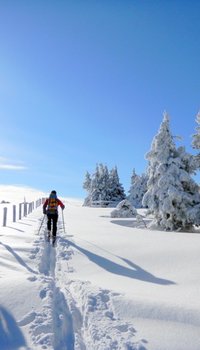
[{"x": 52, "y": 205}]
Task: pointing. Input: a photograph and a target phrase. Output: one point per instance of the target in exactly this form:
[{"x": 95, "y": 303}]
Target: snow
[
  {"x": 109, "y": 283},
  {"x": 124, "y": 209}
]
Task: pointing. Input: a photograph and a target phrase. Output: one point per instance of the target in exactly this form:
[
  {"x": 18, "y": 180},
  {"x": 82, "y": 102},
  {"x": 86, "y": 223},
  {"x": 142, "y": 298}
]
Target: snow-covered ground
[{"x": 108, "y": 283}]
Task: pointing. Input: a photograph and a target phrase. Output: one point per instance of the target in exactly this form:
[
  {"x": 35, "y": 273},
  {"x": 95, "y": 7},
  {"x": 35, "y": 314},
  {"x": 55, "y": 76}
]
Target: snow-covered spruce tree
[
  {"x": 117, "y": 192},
  {"x": 87, "y": 186},
  {"x": 138, "y": 189},
  {"x": 196, "y": 137},
  {"x": 196, "y": 142},
  {"x": 172, "y": 196},
  {"x": 104, "y": 183},
  {"x": 87, "y": 182},
  {"x": 95, "y": 185},
  {"x": 91, "y": 185},
  {"x": 103, "y": 186}
]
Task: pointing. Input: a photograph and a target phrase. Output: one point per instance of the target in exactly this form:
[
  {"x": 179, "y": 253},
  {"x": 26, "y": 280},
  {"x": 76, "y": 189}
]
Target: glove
[
  {"x": 63, "y": 207},
  {"x": 44, "y": 211}
]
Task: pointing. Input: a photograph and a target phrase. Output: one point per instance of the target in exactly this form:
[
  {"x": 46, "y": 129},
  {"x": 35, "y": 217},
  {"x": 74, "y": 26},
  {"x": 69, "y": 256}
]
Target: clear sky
[{"x": 87, "y": 81}]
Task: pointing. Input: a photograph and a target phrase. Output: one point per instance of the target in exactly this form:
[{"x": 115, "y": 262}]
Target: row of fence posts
[{"x": 25, "y": 208}]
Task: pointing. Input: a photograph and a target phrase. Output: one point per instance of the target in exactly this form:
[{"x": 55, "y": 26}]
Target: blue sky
[{"x": 85, "y": 82}]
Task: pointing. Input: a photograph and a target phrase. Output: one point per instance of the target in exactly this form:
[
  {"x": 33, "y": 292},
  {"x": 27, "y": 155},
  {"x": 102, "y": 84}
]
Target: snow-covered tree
[
  {"x": 117, "y": 192},
  {"x": 138, "y": 189},
  {"x": 196, "y": 137},
  {"x": 91, "y": 185},
  {"x": 196, "y": 142},
  {"x": 87, "y": 182},
  {"x": 172, "y": 196},
  {"x": 95, "y": 185},
  {"x": 103, "y": 186},
  {"x": 104, "y": 183}
]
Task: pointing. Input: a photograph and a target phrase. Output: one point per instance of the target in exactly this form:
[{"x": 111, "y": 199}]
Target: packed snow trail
[
  {"x": 73, "y": 317},
  {"x": 62, "y": 325}
]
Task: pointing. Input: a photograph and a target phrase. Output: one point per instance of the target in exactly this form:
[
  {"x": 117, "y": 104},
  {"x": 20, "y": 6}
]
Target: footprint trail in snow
[{"x": 75, "y": 315}]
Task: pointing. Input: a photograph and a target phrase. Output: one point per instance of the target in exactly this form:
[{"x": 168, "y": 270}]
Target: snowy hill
[{"x": 108, "y": 284}]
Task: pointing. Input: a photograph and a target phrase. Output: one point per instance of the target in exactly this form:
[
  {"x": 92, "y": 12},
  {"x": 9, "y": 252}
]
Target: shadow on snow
[
  {"x": 133, "y": 271},
  {"x": 132, "y": 223},
  {"x": 11, "y": 337},
  {"x": 18, "y": 258},
  {"x": 14, "y": 228}
]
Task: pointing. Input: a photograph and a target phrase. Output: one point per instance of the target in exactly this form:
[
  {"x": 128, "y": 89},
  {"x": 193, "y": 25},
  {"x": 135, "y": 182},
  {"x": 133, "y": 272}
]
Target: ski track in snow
[{"x": 75, "y": 315}]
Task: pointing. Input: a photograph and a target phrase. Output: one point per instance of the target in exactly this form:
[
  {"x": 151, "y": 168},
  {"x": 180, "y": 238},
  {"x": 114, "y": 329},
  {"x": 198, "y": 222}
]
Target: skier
[{"x": 50, "y": 207}]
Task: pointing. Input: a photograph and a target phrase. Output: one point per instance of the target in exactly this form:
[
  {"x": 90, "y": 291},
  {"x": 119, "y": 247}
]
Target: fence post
[
  {"x": 30, "y": 207},
  {"x": 25, "y": 209},
  {"x": 20, "y": 211},
  {"x": 14, "y": 213},
  {"x": 4, "y": 216}
]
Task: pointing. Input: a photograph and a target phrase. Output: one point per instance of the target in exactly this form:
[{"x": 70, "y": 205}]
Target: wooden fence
[
  {"x": 22, "y": 209},
  {"x": 103, "y": 204}
]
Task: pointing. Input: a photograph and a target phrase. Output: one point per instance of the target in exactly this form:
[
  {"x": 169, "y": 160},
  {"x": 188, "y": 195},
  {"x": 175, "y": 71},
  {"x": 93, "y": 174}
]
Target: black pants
[{"x": 54, "y": 218}]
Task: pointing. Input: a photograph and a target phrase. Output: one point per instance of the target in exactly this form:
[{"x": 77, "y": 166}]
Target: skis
[
  {"x": 49, "y": 237},
  {"x": 53, "y": 241}
]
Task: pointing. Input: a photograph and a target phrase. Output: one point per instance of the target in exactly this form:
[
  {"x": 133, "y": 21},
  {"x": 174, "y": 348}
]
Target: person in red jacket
[{"x": 50, "y": 207}]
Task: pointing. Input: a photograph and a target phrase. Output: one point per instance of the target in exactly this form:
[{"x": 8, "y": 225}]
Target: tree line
[{"x": 167, "y": 188}]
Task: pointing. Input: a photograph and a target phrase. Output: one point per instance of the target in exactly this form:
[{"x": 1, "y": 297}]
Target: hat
[{"x": 53, "y": 192}]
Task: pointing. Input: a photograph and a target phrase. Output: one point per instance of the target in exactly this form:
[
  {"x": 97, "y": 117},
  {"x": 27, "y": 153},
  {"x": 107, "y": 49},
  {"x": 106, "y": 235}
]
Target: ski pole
[
  {"x": 41, "y": 224},
  {"x": 63, "y": 222}
]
